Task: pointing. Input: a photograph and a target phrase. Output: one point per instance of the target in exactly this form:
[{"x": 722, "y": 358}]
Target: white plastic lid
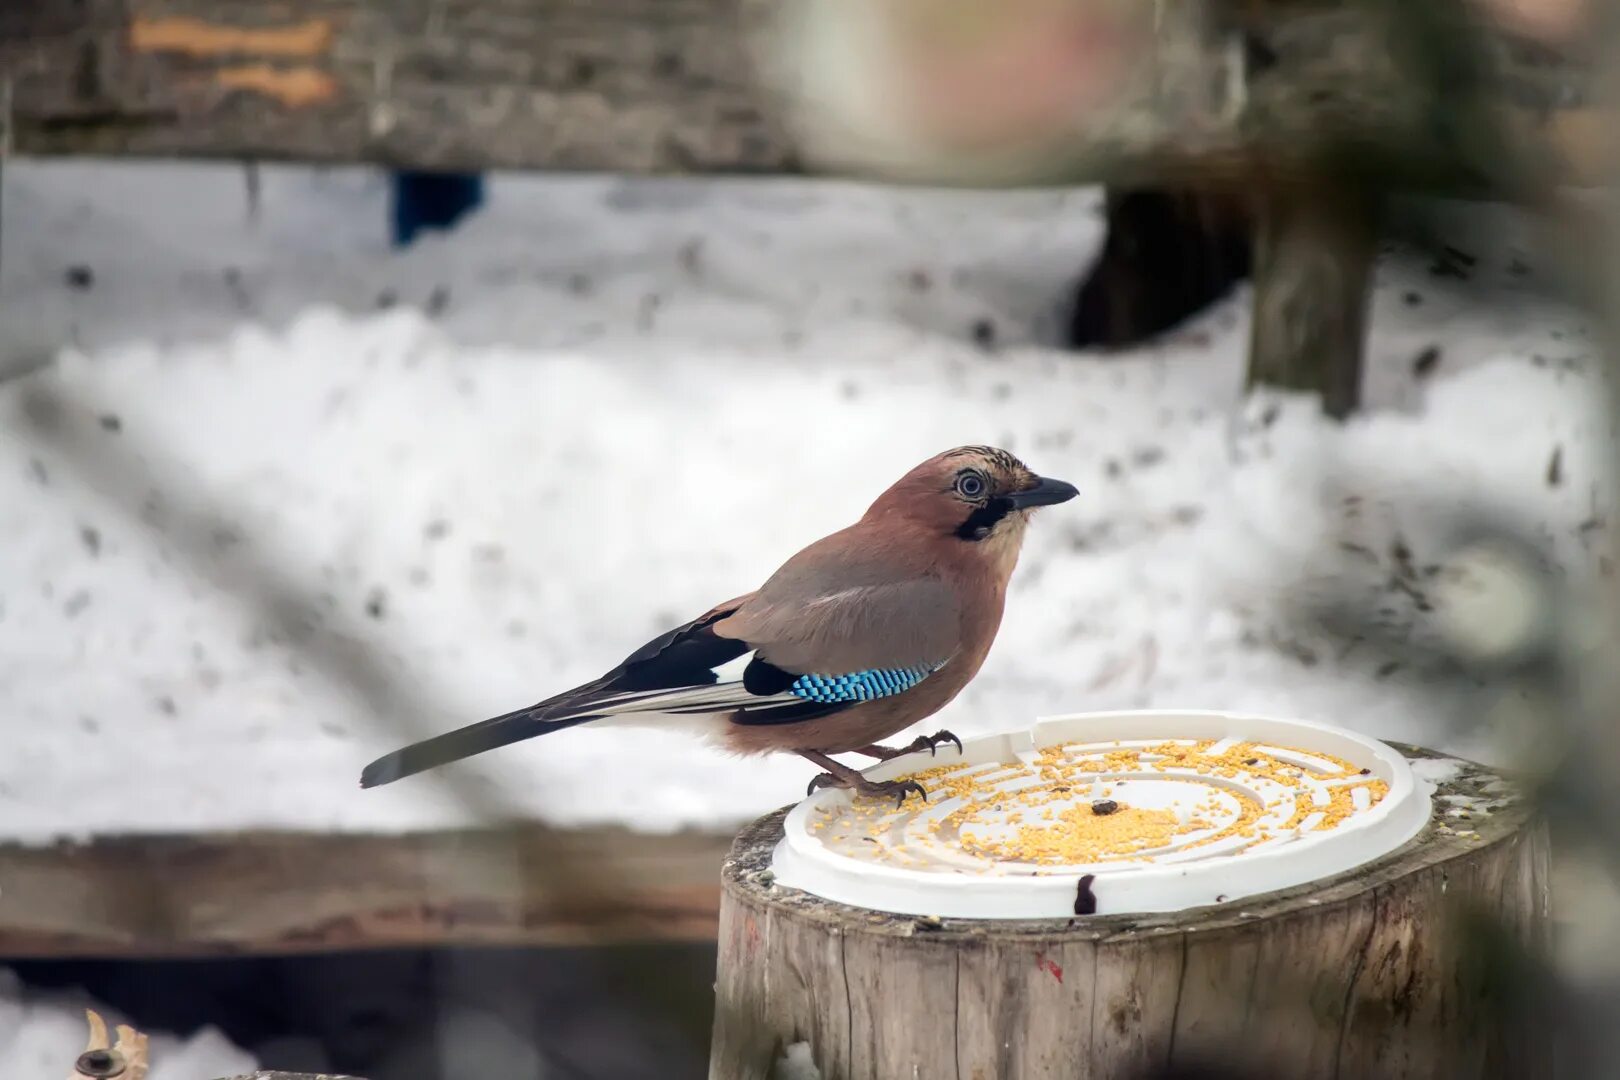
[{"x": 1207, "y": 808}]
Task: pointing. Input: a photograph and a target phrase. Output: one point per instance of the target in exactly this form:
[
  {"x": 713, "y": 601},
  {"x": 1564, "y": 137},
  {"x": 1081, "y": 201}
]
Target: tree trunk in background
[
  {"x": 1313, "y": 262},
  {"x": 1169, "y": 254}
]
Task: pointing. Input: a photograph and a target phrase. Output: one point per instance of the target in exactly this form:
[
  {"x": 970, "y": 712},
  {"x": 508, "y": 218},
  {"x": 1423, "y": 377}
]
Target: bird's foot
[
  {"x": 930, "y": 743},
  {"x": 898, "y": 788},
  {"x": 842, "y": 776},
  {"x": 875, "y": 788}
]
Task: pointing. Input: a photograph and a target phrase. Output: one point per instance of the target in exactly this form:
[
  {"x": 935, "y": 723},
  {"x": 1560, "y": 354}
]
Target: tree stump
[{"x": 1395, "y": 970}]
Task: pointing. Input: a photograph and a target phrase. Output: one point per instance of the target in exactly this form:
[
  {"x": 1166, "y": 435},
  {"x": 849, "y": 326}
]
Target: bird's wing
[
  {"x": 817, "y": 651},
  {"x": 779, "y": 656},
  {"x": 776, "y": 657},
  {"x": 839, "y": 626}
]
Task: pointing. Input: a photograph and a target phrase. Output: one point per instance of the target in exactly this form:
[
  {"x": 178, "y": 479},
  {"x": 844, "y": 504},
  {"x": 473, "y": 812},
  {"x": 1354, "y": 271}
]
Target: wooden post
[
  {"x": 1374, "y": 973},
  {"x": 1313, "y": 259}
]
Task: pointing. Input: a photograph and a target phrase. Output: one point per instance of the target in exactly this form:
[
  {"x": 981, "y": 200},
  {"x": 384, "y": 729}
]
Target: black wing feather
[
  {"x": 764, "y": 678},
  {"x": 685, "y": 656}
]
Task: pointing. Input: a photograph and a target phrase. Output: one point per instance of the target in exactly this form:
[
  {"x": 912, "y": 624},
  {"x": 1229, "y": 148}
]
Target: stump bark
[{"x": 1406, "y": 967}]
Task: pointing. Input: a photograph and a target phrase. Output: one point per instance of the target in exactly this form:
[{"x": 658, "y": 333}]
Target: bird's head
[{"x": 975, "y": 494}]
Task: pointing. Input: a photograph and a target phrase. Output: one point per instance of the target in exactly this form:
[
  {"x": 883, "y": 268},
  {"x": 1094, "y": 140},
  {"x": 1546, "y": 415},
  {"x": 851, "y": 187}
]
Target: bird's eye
[{"x": 970, "y": 485}]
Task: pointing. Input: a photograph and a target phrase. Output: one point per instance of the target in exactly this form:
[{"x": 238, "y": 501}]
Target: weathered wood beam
[
  {"x": 628, "y": 85},
  {"x": 279, "y": 893},
  {"x": 674, "y": 86}
]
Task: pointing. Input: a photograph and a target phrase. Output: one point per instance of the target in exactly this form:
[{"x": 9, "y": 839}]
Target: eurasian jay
[{"x": 858, "y": 636}]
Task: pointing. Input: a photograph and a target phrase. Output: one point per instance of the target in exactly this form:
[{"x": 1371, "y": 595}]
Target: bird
[{"x": 859, "y": 636}]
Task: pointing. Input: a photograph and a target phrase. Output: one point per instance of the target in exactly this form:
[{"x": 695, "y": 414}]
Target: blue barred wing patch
[{"x": 859, "y": 685}]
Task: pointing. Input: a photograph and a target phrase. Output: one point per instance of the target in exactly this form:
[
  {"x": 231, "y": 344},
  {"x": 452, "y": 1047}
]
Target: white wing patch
[{"x": 732, "y": 670}]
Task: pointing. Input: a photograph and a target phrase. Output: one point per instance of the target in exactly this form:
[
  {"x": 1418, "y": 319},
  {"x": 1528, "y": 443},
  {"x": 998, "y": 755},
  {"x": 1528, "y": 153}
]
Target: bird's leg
[
  {"x": 845, "y": 777},
  {"x": 921, "y": 742}
]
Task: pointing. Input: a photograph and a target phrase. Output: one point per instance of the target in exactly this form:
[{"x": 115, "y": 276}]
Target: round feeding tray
[{"x": 1161, "y": 810}]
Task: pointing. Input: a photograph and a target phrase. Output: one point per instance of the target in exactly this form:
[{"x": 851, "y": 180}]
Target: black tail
[
  {"x": 683, "y": 658},
  {"x": 455, "y": 745}
]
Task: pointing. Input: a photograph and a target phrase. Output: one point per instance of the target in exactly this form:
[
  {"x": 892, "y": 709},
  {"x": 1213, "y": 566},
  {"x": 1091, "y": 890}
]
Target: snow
[
  {"x": 41, "y": 1034},
  {"x": 796, "y": 1063},
  {"x": 1436, "y": 771},
  {"x": 604, "y": 405}
]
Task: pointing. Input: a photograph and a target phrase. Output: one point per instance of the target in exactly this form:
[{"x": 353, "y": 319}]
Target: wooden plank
[
  {"x": 633, "y": 85},
  {"x": 269, "y": 893},
  {"x": 674, "y": 86}
]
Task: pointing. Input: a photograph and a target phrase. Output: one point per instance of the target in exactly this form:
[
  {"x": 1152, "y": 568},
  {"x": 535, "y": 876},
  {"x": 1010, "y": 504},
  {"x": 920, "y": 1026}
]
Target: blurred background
[{"x": 369, "y": 368}]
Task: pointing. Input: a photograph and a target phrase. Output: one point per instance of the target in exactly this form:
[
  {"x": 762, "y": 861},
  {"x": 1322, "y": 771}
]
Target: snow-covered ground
[
  {"x": 500, "y": 461},
  {"x": 42, "y": 1033}
]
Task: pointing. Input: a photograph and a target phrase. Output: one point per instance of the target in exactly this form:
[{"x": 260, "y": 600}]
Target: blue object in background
[{"x": 428, "y": 200}]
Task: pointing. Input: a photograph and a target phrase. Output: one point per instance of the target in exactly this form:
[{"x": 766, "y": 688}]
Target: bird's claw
[
  {"x": 898, "y": 788},
  {"x": 931, "y": 743},
  {"x": 903, "y": 788}
]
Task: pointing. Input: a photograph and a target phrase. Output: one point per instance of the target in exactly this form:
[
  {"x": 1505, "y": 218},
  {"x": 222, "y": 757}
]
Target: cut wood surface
[
  {"x": 267, "y": 893},
  {"x": 1378, "y": 972},
  {"x": 675, "y": 86}
]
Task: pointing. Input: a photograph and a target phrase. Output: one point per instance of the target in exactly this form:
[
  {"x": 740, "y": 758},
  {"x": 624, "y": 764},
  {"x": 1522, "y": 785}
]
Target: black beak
[{"x": 1046, "y": 492}]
